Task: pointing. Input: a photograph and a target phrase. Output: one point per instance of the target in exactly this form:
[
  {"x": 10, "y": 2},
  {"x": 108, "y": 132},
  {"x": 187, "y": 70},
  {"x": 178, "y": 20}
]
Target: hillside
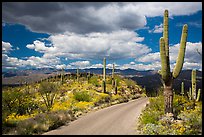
[
  {"x": 16, "y": 77},
  {"x": 39, "y": 107},
  {"x": 153, "y": 82}
]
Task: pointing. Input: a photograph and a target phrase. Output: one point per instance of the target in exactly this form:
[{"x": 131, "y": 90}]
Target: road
[{"x": 119, "y": 119}]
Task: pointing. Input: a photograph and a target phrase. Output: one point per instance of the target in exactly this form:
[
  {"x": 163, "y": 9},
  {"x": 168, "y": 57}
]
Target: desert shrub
[
  {"x": 48, "y": 92},
  {"x": 101, "y": 98},
  {"x": 130, "y": 83},
  {"x": 82, "y": 96},
  {"x": 43, "y": 122},
  {"x": 94, "y": 80},
  {"x": 186, "y": 121},
  {"x": 17, "y": 101},
  {"x": 82, "y": 106},
  {"x": 192, "y": 119}
]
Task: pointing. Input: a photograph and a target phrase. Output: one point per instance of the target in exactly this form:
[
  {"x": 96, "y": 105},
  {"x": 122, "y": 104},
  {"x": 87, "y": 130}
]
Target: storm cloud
[{"x": 49, "y": 17}]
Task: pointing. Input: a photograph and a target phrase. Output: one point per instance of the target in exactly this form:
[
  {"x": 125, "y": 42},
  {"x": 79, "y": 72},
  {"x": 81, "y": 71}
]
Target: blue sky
[{"x": 80, "y": 35}]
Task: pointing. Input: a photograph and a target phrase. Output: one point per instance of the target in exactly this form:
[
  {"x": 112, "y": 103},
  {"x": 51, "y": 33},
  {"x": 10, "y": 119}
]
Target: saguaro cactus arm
[
  {"x": 198, "y": 96},
  {"x": 164, "y": 64},
  {"x": 180, "y": 59}
]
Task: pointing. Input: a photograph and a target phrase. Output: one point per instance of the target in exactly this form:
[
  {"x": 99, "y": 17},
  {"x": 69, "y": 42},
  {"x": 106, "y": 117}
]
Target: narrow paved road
[{"x": 118, "y": 119}]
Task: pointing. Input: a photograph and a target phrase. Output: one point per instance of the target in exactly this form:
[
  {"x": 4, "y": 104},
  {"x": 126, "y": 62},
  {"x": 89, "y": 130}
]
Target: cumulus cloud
[
  {"x": 157, "y": 29},
  {"x": 39, "y": 47},
  {"x": 53, "y": 17},
  {"x": 192, "y": 58},
  {"x": 80, "y": 64},
  {"x": 97, "y": 65},
  {"x": 92, "y": 31},
  {"x": 6, "y": 47},
  {"x": 115, "y": 45},
  {"x": 141, "y": 66},
  {"x": 63, "y": 66}
]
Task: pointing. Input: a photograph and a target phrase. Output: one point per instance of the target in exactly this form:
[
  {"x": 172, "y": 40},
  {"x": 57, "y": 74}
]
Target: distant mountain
[
  {"x": 148, "y": 79},
  {"x": 130, "y": 72}
]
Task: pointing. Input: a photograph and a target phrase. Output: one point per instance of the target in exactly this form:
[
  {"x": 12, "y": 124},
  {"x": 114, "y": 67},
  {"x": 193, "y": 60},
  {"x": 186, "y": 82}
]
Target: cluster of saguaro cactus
[
  {"x": 167, "y": 76},
  {"x": 104, "y": 76},
  {"x": 182, "y": 88}
]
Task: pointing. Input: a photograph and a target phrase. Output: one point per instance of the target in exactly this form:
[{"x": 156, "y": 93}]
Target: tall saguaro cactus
[
  {"x": 77, "y": 74},
  {"x": 88, "y": 76},
  {"x": 167, "y": 76},
  {"x": 104, "y": 76},
  {"x": 62, "y": 76},
  {"x": 113, "y": 75},
  {"x": 193, "y": 81},
  {"x": 116, "y": 86}
]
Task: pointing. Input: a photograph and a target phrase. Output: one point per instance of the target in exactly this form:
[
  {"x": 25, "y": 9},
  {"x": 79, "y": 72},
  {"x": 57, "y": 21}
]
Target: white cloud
[
  {"x": 191, "y": 54},
  {"x": 141, "y": 66},
  {"x": 80, "y": 64},
  {"x": 192, "y": 58},
  {"x": 63, "y": 66},
  {"x": 96, "y": 66},
  {"x": 189, "y": 65},
  {"x": 132, "y": 63},
  {"x": 42, "y": 62},
  {"x": 39, "y": 46},
  {"x": 157, "y": 29},
  {"x": 150, "y": 57},
  {"x": 6, "y": 47},
  {"x": 153, "y": 9},
  {"x": 114, "y": 45}
]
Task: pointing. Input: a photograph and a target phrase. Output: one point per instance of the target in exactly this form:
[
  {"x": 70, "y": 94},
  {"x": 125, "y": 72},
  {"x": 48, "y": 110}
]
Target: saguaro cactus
[
  {"x": 77, "y": 74},
  {"x": 113, "y": 75},
  {"x": 62, "y": 76},
  {"x": 182, "y": 88},
  {"x": 193, "y": 82},
  {"x": 116, "y": 88},
  {"x": 167, "y": 76},
  {"x": 104, "y": 76},
  {"x": 88, "y": 76}
]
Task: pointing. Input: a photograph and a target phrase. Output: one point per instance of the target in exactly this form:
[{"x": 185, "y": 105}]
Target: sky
[{"x": 79, "y": 35}]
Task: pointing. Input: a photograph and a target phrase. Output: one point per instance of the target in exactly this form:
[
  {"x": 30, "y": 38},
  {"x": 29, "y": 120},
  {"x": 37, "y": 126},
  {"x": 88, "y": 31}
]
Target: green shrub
[
  {"x": 130, "y": 83},
  {"x": 94, "y": 80},
  {"x": 43, "y": 122},
  {"x": 187, "y": 119},
  {"x": 82, "y": 96}
]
